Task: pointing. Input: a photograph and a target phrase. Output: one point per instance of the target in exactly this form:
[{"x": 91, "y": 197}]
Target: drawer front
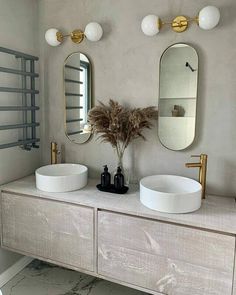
[
  {"x": 166, "y": 258},
  {"x": 48, "y": 229},
  {"x": 234, "y": 284}
]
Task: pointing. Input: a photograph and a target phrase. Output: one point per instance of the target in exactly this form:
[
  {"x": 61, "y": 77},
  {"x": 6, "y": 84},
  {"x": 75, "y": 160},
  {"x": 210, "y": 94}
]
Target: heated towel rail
[{"x": 27, "y": 105}]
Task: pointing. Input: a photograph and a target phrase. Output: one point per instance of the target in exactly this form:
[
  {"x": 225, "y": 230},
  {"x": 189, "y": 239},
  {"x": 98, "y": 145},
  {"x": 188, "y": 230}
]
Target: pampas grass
[{"x": 119, "y": 125}]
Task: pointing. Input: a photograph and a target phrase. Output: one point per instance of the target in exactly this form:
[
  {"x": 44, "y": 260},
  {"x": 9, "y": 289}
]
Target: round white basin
[
  {"x": 170, "y": 193},
  {"x": 60, "y": 178}
]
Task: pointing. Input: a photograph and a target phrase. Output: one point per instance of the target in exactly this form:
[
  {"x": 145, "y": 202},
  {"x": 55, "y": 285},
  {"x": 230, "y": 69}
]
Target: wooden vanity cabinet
[
  {"x": 234, "y": 283},
  {"x": 60, "y": 232},
  {"x": 154, "y": 256},
  {"x": 166, "y": 258}
]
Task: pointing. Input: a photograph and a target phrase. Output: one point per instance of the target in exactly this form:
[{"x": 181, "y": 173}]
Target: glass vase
[{"x": 125, "y": 170}]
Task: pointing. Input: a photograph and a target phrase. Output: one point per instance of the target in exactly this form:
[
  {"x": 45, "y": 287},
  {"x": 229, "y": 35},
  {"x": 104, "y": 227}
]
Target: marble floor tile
[{"x": 40, "y": 278}]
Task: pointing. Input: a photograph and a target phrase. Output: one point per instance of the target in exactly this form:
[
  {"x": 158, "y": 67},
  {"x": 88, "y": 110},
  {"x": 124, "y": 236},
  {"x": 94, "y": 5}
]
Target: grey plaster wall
[
  {"x": 126, "y": 68},
  {"x": 19, "y": 31}
]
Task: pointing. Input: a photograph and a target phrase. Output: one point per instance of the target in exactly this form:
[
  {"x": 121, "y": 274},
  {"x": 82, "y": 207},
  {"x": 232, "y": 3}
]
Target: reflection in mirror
[
  {"x": 77, "y": 81},
  {"x": 178, "y": 96}
]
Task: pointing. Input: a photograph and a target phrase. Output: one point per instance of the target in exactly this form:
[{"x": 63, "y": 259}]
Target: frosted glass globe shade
[
  {"x": 51, "y": 37},
  {"x": 150, "y": 25},
  {"x": 209, "y": 17},
  {"x": 93, "y": 32}
]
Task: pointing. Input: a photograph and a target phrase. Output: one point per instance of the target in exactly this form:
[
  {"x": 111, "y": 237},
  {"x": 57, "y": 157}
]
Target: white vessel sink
[
  {"x": 60, "y": 178},
  {"x": 170, "y": 193}
]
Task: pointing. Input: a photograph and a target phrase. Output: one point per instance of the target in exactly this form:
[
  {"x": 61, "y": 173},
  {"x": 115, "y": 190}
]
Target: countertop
[{"x": 216, "y": 213}]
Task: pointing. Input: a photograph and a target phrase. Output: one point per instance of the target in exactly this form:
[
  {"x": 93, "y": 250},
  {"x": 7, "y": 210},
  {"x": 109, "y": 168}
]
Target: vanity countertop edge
[{"x": 217, "y": 213}]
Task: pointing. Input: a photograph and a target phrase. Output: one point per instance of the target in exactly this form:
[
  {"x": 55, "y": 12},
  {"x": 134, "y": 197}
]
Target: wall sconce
[
  {"x": 207, "y": 19},
  {"x": 93, "y": 32}
]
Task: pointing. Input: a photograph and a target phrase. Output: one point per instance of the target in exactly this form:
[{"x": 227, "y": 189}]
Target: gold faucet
[
  {"x": 202, "y": 165},
  {"x": 54, "y": 153}
]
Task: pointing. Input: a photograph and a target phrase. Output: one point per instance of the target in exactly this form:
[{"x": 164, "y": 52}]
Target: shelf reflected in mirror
[
  {"x": 77, "y": 92},
  {"x": 178, "y": 96}
]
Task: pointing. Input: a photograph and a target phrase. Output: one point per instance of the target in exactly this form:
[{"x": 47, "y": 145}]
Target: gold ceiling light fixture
[
  {"x": 207, "y": 19},
  {"x": 93, "y": 32}
]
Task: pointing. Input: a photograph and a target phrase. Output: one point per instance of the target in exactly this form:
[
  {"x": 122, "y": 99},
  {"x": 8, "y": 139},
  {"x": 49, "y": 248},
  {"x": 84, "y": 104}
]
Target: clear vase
[{"x": 125, "y": 170}]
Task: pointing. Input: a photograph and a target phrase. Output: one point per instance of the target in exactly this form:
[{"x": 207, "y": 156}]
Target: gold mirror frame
[
  {"x": 78, "y": 136},
  {"x": 180, "y": 104}
]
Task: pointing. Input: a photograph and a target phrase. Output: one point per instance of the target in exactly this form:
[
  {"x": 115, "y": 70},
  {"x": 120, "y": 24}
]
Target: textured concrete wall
[
  {"x": 19, "y": 31},
  {"x": 126, "y": 68}
]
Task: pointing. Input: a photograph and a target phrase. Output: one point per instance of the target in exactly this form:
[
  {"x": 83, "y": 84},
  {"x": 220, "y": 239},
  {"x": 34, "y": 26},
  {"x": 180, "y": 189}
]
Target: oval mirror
[
  {"x": 178, "y": 96},
  {"x": 77, "y": 81}
]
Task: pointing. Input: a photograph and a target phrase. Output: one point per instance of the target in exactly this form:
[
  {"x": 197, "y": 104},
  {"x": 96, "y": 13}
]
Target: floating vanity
[{"x": 116, "y": 238}]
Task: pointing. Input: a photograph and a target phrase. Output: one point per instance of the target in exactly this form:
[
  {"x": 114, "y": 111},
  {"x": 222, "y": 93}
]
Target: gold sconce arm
[
  {"x": 180, "y": 23},
  {"x": 77, "y": 36},
  {"x": 60, "y": 37}
]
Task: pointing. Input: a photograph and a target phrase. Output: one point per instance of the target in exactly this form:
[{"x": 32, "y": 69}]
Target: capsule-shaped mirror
[
  {"x": 178, "y": 96},
  {"x": 77, "y": 81}
]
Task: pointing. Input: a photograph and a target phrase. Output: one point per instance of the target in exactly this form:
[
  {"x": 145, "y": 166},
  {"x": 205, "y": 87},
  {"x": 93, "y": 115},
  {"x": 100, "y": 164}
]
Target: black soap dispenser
[
  {"x": 105, "y": 178},
  {"x": 119, "y": 180}
]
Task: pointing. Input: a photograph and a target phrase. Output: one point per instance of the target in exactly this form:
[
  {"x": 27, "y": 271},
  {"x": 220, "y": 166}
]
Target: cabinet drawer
[
  {"x": 166, "y": 258},
  {"x": 49, "y": 229},
  {"x": 234, "y": 284}
]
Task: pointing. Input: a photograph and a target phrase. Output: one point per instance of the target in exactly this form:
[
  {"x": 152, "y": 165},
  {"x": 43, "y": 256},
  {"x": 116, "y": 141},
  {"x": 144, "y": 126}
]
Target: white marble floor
[{"x": 40, "y": 278}]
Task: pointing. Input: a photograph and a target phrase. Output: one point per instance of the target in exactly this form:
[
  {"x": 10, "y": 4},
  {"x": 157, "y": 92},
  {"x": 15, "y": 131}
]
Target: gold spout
[
  {"x": 193, "y": 165},
  {"x": 54, "y": 153},
  {"x": 202, "y": 165}
]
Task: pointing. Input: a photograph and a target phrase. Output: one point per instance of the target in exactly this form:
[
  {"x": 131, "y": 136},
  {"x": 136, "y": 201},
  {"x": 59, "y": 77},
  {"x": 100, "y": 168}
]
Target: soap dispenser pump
[
  {"x": 105, "y": 178},
  {"x": 119, "y": 180}
]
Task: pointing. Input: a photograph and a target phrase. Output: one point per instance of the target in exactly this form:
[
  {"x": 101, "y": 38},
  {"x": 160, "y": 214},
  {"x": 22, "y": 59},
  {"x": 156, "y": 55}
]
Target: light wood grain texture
[
  {"x": 136, "y": 264},
  {"x": 216, "y": 213},
  {"x": 170, "y": 259},
  {"x": 57, "y": 231},
  {"x": 234, "y": 282}
]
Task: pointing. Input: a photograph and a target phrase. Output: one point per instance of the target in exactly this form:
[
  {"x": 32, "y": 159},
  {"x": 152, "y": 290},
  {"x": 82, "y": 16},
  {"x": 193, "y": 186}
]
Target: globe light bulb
[
  {"x": 209, "y": 17},
  {"x": 51, "y": 37},
  {"x": 93, "y": 32},
  {"x": 150, "y": 25}
]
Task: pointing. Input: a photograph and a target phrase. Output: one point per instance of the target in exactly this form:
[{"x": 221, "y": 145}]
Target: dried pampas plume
[{"x": 119, "y": 125}]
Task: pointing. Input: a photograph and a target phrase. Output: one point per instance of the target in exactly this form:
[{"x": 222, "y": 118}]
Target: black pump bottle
[
  {"x": 119, "y": 180},
  {"x": 105, "y": 178}
]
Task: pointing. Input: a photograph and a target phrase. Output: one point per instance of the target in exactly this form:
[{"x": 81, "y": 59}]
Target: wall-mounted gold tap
[
  {"x": 54, "y": 153},
  {"x": 202, "y": 165}
]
